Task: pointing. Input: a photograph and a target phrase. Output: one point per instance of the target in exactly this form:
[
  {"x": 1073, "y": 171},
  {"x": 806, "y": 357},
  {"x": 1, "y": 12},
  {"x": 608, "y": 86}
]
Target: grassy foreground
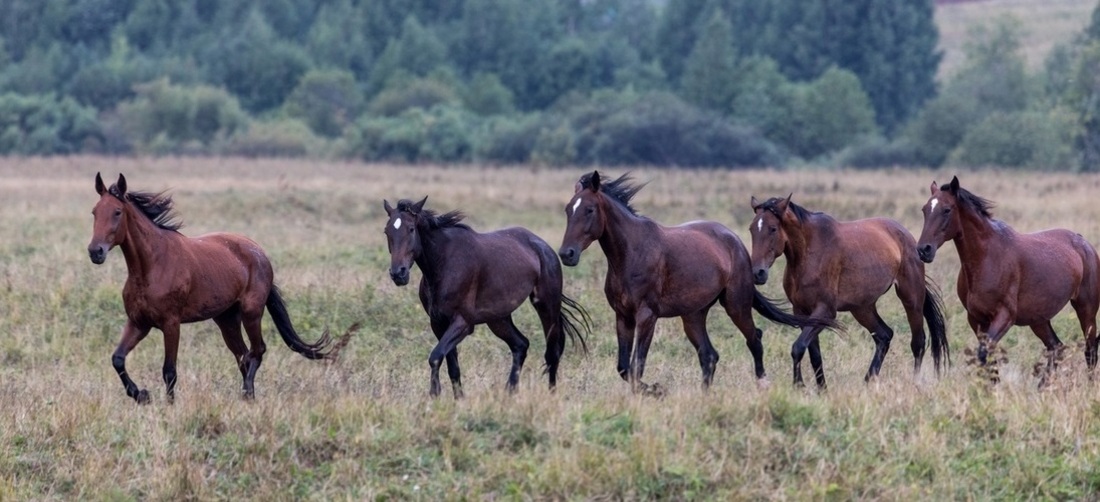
[{"x": 364, "y": 428}]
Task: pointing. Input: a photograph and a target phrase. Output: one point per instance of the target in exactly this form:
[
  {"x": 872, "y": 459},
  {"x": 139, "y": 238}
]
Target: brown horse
[
  {"x": 1008, "y": 278},
  {"x": 174, "y": 279},
  {"x": 471, "y": 278},
  {"x": 656, "y": 271},
  {"x": 845, "y": 266}
]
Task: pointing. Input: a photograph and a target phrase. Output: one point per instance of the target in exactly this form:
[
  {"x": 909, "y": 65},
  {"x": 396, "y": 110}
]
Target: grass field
[
  {"x": 1045, "y": 24},
  {"x": 364, "y": 427}
]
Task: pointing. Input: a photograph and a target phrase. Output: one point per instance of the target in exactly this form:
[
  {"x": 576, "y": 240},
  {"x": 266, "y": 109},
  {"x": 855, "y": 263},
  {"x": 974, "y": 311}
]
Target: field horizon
[{"x": 364, "y": 427}]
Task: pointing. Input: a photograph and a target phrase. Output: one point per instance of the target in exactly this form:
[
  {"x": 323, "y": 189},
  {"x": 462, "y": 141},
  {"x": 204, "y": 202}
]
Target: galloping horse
[
  {"x": 845, "y": 266},
  {"x": 174, "y": 279},
  {"x": 470, "y": 278},
  {"x": 1008, "y": 278},
  {"x": 656, "y": 271}
]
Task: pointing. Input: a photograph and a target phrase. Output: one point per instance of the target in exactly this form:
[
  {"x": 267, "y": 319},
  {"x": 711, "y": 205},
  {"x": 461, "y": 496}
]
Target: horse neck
[
  {"x": 976, "y": 231},
  {"x": 623, "y": 230},
  {"x": 433, "y": 249},
  {"x": 143, "y": 244},
  {"x": 800, "y": 236}
]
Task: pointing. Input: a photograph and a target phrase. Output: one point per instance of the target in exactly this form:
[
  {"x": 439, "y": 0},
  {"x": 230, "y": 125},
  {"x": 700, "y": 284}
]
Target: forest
[{"x": 691, "y": 83}]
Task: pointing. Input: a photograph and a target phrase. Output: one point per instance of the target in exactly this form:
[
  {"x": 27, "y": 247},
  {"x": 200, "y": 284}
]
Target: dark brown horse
[
  {"x": 1008, "y": 278},
  {"x": 470, "y": 278},
  {"x": 845, "y": 266},
  {"x": 174, "y": 279},
  {"x": 656, "y": 271}
]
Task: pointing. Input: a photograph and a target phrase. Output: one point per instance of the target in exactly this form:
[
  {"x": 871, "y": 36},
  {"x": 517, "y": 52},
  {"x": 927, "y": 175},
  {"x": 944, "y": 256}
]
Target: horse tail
[
  {"x": 575, "y": 321},
  {"x": 770, "y": 310},
  {"x": 937, "y": 327},
  {"x": 323, "y": 348}
]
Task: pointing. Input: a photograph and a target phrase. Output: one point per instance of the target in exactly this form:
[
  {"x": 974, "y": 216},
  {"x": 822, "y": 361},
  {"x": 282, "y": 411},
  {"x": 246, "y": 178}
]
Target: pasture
[{"x": 365, "y": 428}]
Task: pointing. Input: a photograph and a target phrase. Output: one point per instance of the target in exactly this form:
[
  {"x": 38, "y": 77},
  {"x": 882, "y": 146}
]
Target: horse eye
[
  {"x": 118, "y": 212},
  {"x": 773, "y": 229},
  {"x": 589, "y": 210}
]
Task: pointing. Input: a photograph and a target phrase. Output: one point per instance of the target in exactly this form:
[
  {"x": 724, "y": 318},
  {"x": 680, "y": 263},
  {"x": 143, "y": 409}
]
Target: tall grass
[{"x": 365, "y": 428}]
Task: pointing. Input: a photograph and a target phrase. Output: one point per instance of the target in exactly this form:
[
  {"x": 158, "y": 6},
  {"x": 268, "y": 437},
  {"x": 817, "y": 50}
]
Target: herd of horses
[{"x": 653, "y": 271}]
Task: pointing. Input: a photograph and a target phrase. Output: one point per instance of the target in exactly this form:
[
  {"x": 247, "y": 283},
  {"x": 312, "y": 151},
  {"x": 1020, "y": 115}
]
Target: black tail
[
  {"x": 771, "y": 311},
  {"x": 937, "y": 328},
  {"x": 321, "y": 349},
  {"x": 573, "y": 318}
]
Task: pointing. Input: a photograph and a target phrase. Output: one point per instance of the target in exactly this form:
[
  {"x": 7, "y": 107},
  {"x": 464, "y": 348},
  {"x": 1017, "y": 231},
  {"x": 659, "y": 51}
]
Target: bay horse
[
  {"x": 472, "y": 278},
  {"x": 1008, "y": 278},
  {"x": 656, "y": 271},
  {"x": 846, "y": 266},
  {"x": 173, "y": 279}
]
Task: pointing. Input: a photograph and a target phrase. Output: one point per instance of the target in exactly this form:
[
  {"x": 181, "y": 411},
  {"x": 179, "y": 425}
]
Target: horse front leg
[
  {"x": 457, "y": 330},
  {"x": 171, "y": 332},
  {"x": 131, "y": 336},
  {"x": 624, "y": 331},
  {"x": 645, "y": 321}
]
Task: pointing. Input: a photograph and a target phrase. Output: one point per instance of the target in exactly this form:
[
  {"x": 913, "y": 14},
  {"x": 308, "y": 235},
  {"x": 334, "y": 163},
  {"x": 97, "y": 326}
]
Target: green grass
[{"x": 364, "y": 428}]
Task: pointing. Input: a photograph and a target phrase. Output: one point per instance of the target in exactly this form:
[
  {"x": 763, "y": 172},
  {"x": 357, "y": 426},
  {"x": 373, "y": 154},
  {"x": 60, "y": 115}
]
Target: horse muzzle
[
  {"x": 926, "y": 252},
  {"x": 760, "y": 276},
  {"x": 97, "y": 254},
  {"x": 400, "y": 275},
  {"x": 570, "y": 256}
]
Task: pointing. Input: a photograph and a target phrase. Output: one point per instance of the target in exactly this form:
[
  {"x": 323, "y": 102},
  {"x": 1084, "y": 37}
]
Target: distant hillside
[{"x": 1046, "y": 23}]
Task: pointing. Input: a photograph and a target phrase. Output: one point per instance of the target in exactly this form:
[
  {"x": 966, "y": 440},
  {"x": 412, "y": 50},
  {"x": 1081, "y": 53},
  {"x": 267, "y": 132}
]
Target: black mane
[
  {"x": 432, "y": 220},
  {"x": 155, "y": 206},
  {"x": 620, "y": 190},
  {"x": 772, "y": 206},
  {"x": 981, "y": 204}
]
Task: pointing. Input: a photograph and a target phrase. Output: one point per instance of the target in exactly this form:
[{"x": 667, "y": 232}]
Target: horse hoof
[
  {"x": 142, "y": 397},
  {"x": 763, "y": 383}
]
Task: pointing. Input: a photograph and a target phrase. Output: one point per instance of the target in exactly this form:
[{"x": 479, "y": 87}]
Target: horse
[
  {"x": 1008, "y": 278},
  {"x": 472, "y": 278},
  {"x": 174, "y": 279},
  {"x": 659, "y": 272},
  {"x": 846, "y": 266}
]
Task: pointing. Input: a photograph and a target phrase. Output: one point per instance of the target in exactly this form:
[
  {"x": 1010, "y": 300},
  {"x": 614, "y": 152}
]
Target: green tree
[
  {"x": 416, "y": 52},
  {"x": 676, "y": 34},
  {"x": 45, "y": 125},
  {"x": 832, "y": 112},
  {"x": 709, "y": 73},
  {"x": 327, "y": 101}
]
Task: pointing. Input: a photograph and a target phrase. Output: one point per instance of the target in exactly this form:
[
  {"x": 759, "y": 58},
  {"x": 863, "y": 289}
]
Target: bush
[
  {"x": 173, "y": 116},
  {"x": 441, "y": 134},
  {"x": 510, "y": 140},
  {"x": 1019, "y": 139},
  {"x": 327, "y": 101},
  {"x": 421, "y": 93},
  {"x": 281, "y": 138},
  {"x": 486, "y": 95},
  {"x": 874, "y": 151},
  {"x": 44, "y": 125}
]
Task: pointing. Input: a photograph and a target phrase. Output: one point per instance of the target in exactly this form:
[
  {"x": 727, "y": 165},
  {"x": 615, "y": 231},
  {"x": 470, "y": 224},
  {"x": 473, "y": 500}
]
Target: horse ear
[
  {"x": 387, "y": 207},
  {"x": 782, "y": 206},
  {"x": 419, "y": 205},
  {"x": 953, "y": 187},
  {"x": 755, "y": 203},
  {"x": 594, "y": 181},
  {"x": 121, "y": 184},
  {"x": 99, "y": 186},
  {"x": 934, "y": 188}
]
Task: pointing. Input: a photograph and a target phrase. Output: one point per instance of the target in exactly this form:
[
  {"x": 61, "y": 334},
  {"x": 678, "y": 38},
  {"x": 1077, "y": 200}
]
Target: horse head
[
  {"x": 584, "y": 219},
  {"x": 402, "y": 237},
  {"x": 109, "y": 216},
  {"x": 769, "y": 240},
  {"x": 941, "y": 219}
]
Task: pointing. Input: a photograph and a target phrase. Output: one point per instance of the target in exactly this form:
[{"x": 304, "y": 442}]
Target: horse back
[{"x": 486, "y": 276}]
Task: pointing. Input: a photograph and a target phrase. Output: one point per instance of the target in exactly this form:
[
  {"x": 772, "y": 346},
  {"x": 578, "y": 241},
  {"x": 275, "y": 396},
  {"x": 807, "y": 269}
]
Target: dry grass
[
  {"x": 1046, "y": 23},
  {"x": 365, "y": 428}
]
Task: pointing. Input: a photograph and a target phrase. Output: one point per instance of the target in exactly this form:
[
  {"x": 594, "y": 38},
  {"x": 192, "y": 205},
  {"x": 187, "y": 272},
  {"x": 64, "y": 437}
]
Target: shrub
[
  {"x": 510, "y": 140},
  {"x": 44, "y": 125},
  {"x": 280, "y": 138},
  {"x": 1019, "y": 139},
  {"x": 176, "y": 115},
  {"x": 874, "y": 151},
  {"x": 421, "y": 93},
  {"x": 327, "y": 101},
  {"x": 441, "y": 134}
]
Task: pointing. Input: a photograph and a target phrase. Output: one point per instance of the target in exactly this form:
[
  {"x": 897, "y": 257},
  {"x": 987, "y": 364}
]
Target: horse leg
[
  {"x": 456, "y": 331},
  {"x": 229, "y": 322},
  {"x": 740, "y": 312},
  {"x": 1045, "y": 331},
  {"x": 695, "y": 327},
  {"x": 131, "y": 335},
  {"x": 255, "y": 355},
  {"x": 996, "y": 329},
  {"x": 646, "y": 321},
  {"x": 912, "y": 300},
  {"x": 869, "y": 318},
  {"x": 506, "y": 330},
  {"x": 1086, "y": 314},
  {"x": 624, "y": 331},
  {"x": 805, "y": 341},
  {"x": 439, "y": 327},
  {"x": 171, "y": 332},
  {"x": 817, "y": 363},
  {"x": 549, "y": 317}
]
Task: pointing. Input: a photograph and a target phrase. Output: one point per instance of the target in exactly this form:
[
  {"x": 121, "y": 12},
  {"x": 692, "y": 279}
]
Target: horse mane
[
  {"x": 155, "y": 206},
  {"x": 982, "y": 205},
  {"x": 772, "y": 206},
  {"x": 432, "y": 220},
  {"x": 620, "y": 190}
]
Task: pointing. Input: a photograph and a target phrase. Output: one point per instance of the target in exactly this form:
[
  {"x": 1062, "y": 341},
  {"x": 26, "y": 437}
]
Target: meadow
[{"x": 364, "y": 426}]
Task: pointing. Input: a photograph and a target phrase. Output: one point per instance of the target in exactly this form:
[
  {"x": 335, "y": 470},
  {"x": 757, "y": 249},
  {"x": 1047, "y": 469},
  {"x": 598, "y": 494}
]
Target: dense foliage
[{"x": 684, "y": 83}]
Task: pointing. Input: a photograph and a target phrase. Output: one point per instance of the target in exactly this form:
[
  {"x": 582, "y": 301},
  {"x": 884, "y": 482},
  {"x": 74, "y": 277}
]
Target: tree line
[{"x": 681, "y": 83}]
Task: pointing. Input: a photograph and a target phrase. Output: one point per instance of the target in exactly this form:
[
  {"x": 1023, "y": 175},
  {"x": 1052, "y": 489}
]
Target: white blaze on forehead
[
  {"x": 760, "y": 224},
  {"x": 934, "y": 202},
  {"x": 397, "y": 224},
  {"x": 576, "y": 204}
]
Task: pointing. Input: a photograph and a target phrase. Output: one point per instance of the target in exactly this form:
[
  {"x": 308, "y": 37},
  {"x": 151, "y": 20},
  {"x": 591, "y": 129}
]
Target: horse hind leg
[
  {"x": 912, "y": 299},
  {"x": 740, "y": 312},
  {"x": 506, "y": 330},
  {"x": 255, "y": 355},
  {"x": 695, "y": 327},
  {"x": 549, "y": 316},
  {"x": 229, "y": 323},
  {"x": 881, "y": 333},
  {"x": 1045, "y": 331},
  {"x": 1086, "y": 313}
]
